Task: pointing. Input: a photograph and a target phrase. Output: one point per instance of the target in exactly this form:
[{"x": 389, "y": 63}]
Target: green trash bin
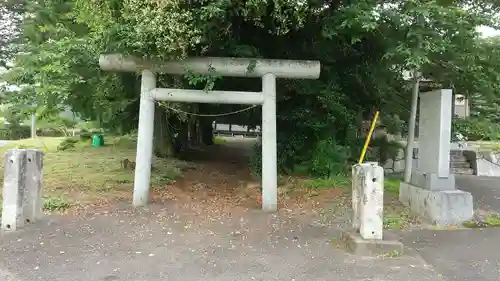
[{"x": 97, "y": 140}]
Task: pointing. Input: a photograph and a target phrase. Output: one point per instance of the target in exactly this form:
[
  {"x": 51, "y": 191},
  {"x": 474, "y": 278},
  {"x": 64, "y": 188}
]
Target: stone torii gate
[{"x": 266, "y": 69}]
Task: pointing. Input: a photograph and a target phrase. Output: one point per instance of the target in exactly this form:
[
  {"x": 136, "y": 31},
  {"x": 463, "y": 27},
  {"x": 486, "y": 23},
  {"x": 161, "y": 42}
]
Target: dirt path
[{"x": 221, "y": 184}]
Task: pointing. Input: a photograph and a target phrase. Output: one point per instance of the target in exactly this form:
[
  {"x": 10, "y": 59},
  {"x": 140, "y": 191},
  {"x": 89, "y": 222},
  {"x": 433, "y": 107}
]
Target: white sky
[{"x": 488, "y": 31}]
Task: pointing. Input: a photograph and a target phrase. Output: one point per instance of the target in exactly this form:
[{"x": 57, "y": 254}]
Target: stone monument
[{"x": 431, "y": 192}]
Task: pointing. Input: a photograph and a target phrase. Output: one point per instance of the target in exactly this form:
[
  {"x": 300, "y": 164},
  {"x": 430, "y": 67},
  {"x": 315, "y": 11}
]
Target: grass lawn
[
  {"x": 85, "y": 174},
  {"x": 396, "y": 216}
]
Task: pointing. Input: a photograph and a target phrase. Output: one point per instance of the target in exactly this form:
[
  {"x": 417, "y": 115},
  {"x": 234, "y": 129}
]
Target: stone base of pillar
[
  {"x": 431, "y": 181},
  {"x": 441, "y": 207},
  {"x": 355, "y": 244}
]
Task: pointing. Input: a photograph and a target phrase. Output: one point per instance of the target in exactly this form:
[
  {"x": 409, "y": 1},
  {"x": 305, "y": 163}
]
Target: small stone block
[{"x": 356, "y": 245}]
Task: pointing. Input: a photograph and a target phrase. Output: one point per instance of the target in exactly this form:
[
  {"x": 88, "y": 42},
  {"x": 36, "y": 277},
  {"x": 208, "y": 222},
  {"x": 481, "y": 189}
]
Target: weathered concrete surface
[
  {"x": 435, "y": 133},
  {"x": 163, "y": 245},
  {"x": 14, "y": 188},
  {"x": 33, "y": 197},
  {"x": 368, "y": 200},
  {"x": 460, "y": 255},
  {"x": 444, "y": 207}
]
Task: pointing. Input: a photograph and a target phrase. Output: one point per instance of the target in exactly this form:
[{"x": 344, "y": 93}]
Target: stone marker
[
  {"x": 367, "y": 238},
  {"x": 22, "y": 190},
  {"x": 13, "y": 189},
  {"x": 33, "y": 200},
  {"x": 431, "y": 192}
]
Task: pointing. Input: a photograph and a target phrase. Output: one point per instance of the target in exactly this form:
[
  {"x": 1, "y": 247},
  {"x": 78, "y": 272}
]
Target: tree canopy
[{"x": 363, "y": 45}]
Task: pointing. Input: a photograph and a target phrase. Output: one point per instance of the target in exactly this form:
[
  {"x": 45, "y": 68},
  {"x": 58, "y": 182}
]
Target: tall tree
[{"x": 363, "y": 46}]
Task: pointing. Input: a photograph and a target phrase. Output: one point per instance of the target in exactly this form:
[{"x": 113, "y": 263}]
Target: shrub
[
  {"x": 67, "y": 143},
  {"x": 50, "y": 132},
  {"x": 15, "y": 132},
  {"x": 329, "y": 159},
  {"x": 474, "y": 129}
]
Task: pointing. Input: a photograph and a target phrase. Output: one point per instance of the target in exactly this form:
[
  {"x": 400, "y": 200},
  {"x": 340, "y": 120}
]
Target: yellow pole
[{"x": 368, "y": 138}]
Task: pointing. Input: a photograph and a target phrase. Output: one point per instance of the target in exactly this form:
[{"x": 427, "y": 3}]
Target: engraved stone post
[
  {"x": 13, "y": 189},
  {"x": 33, "y": 200},
  {"x": 366, "y": 237},
  {"x": 368, "y": 200}
]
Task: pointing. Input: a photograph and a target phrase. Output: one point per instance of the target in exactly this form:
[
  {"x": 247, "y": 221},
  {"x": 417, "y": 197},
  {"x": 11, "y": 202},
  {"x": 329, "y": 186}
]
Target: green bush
[
  {"x": 67, "y": 143},
  {"x": 50, "y": 132},
  {"x": 15, "y": 132},
  {"x": 475, "y": 129},
  {"x": 329, "y": 159}
]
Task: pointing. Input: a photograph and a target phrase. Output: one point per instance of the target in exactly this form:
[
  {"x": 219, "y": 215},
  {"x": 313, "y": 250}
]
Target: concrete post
[
  {"x": 144, "y": 140},
  {"x": 368, "y": 200},
  {"x": 33, "y": 125},
  {"x": 410, "y": 141},
  {"x": 13, "y": 189},
  {"x": 269, "y": 151},
  {"x": 33, "y": 199}
]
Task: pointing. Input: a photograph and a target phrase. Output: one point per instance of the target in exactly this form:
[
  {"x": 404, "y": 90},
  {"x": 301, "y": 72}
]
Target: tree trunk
[
  {"x": 207, "y": 132},
  {"x": 182, "y": 139},
  {"x": 162, "y": 144}
]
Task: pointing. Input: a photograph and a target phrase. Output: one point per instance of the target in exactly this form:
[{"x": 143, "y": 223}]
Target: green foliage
[
  {"x": 15, "y": 132},
  {"x": 329, "y": 159},
  {"x": 363, "y": 46},
  {"x": 67, "y": 144},
  {"x": 391, "y": 185},
  {"x": 475, "y": 129},
  {"x": 55, "y": 204},
  {"x": 338, "y": 181}
]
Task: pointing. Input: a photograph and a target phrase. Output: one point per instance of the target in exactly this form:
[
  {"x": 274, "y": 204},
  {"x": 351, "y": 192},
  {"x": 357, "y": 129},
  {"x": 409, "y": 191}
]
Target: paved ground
[
  {"x": 159, "y": 244},
  {"x": 164, "y": 243},
  {"x": 460, "y": 255},
  {"x": 485, "y": 190}
]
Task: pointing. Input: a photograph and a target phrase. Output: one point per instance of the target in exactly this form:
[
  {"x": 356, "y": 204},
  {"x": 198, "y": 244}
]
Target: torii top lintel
[{"x": 224, "y": 66}]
